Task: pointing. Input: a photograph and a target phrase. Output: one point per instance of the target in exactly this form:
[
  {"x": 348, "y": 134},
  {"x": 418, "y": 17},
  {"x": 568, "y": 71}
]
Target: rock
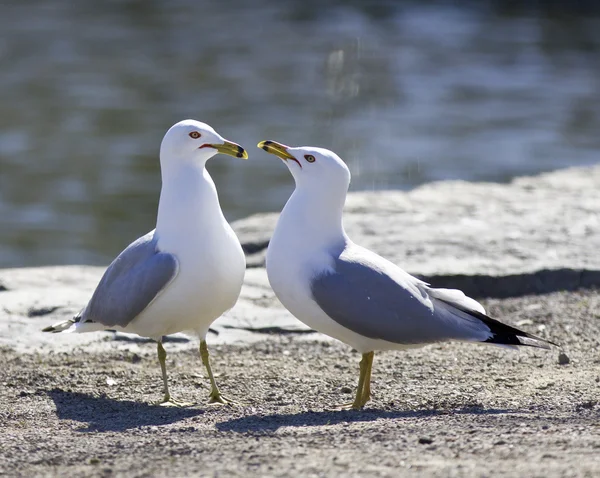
[
  {"x": 588, "y": 405},
  {"x": 425, "y": 440},
  {"x": 135, "y": 358},
  {"x": 38, "y": 312},
  {"x": 258, "y": 313},
  {"x": 534, "y": 235},
  {"x": 563, "y": 359}
]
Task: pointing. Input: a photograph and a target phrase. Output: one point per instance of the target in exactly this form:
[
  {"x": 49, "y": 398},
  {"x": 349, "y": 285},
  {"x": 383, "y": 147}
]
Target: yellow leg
[
  {"x": 357, "y": 405},
  {"x": 366, "y": 393},
  {"x": 363, "y": 391},
  {"x": 215, "y": 395},
  {"x": 167, "y": 399}
]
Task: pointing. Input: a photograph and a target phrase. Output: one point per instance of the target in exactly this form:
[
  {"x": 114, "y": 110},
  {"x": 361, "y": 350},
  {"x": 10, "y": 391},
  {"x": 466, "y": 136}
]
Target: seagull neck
[
  {"x": 188, "y": 201},
  {"x": 314, "y": 218}
]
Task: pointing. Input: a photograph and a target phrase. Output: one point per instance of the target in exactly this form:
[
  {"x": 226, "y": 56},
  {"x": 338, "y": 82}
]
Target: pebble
[
  {"x": 41, "y": 311},
  {"x": 425, "y": 440},
  {"x": 563, "y": 359}
]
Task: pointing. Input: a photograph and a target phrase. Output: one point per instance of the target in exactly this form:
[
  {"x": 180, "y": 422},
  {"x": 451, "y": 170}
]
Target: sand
[{"x": 444, "y": 410}]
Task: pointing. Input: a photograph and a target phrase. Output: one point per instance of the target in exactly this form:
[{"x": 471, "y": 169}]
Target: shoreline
[{"x": 448, "y": 409}]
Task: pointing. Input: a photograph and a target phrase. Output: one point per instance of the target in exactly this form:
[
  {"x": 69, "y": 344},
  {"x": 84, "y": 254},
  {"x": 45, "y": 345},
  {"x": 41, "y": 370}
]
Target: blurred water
[{"x": 405, "y": 92}]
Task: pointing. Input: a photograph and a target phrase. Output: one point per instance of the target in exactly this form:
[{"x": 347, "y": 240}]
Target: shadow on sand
[
  {"x": 270, "y": 423},
  {"x": 102, "y": 414}
]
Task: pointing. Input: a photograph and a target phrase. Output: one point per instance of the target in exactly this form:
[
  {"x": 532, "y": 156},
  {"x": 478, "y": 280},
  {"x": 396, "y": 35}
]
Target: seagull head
[
  {"x": 191, "y": 140},
  {"x": 317, "y": 167}
]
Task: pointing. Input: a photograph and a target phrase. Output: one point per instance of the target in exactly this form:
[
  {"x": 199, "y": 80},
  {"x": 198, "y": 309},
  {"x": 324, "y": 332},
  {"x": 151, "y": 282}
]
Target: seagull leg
[
  {"x": 162, "y": 357},
  {"x": 357, "y": 404},
  {"x": 215, "y": 395},
  {"x": 366, "y": 393},
  {"x": 358, "y": 401},
  {"x": 167, "y": 400}
]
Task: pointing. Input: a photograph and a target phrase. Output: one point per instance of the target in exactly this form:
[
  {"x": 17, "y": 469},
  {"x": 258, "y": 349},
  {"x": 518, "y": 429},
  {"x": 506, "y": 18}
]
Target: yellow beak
[
  {"x": 230, "y": 149},
  {"x": 278, "y": 149}
]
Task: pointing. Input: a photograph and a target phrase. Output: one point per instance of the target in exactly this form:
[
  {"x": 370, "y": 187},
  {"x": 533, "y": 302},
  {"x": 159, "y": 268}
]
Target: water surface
[{"x": 405, "y": 92}]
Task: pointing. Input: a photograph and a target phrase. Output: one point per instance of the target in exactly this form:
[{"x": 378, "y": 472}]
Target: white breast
[
  {"x": 211, "y": 260},
  {"x": 295, "y": 256},
  {"x": 297, "y": 252}
]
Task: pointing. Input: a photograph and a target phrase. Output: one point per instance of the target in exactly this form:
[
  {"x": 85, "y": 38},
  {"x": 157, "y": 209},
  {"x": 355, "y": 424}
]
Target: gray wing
[
  {"x": 131, "y": 283},
  {"x": 372, "y": 297}
]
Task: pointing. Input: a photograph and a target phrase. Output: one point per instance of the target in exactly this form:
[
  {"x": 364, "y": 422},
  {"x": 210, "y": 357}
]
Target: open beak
[
  {"x": 278, "y": 149},
  {"x": 230, "y": 149}
]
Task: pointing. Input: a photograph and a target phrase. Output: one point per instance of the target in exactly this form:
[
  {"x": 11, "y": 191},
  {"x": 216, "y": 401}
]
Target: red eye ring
[
  {"x": 310, "y": 158},
  {"x": 195, "y": 135}
]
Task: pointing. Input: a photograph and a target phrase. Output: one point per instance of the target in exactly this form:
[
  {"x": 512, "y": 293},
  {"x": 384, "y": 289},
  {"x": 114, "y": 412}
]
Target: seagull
[
  {"x": 182, "y": 275},
  {"x": 352, "y": 294}
]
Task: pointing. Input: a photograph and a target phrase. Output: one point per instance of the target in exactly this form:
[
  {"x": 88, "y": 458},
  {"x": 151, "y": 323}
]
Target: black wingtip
[
  {"x": 57, "y": 328},
  {"x": 503, "y": 334},
  {"x": 520, "y": 338}
]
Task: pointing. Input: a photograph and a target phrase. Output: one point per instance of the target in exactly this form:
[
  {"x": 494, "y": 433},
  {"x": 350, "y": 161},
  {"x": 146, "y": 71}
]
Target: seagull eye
[
  {"x": 195, "y": 135},
  {"x": 310, "y": 158}
]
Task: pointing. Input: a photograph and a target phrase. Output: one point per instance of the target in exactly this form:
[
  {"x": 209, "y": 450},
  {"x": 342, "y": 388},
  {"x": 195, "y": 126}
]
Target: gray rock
[
  {"x": 535, "y": 234},
  {"x": 532, "y": 235},
  {"x": 563, "y": 359},
  {"x": 63, "y": 291}
]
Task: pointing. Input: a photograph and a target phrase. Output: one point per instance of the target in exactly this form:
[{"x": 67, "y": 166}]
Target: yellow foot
[
  {"x": 349, "y": 406},
  {"x": 217, "y": 398},
  {"x": 171, "y": 402}
]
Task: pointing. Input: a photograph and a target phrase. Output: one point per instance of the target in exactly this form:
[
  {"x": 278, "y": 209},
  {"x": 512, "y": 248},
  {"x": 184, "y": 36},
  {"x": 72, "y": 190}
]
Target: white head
[
  {"x": 312, "y": 167},
  {"x": 191, "y": 140}
]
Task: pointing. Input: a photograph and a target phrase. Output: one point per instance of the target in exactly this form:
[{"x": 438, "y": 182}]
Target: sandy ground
[{"x": 443, "y": 410}]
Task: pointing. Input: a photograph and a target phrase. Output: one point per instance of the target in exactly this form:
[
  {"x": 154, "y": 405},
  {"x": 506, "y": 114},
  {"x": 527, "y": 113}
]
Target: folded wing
[
  {"x": 130, "y": 284},
  {"x": 374, "y": 298}
]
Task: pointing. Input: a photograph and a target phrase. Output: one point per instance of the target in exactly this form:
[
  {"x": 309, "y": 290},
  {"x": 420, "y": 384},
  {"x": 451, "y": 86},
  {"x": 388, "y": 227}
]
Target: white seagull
[
  {"x": 185, "y": 273},
  {"x": 350, "y": 293}
]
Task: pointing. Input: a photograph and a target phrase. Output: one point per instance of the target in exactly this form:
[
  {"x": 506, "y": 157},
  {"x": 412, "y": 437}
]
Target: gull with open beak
[
  {"x": 350, "y": 293},
  {"x": 188, "y": 271}
]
